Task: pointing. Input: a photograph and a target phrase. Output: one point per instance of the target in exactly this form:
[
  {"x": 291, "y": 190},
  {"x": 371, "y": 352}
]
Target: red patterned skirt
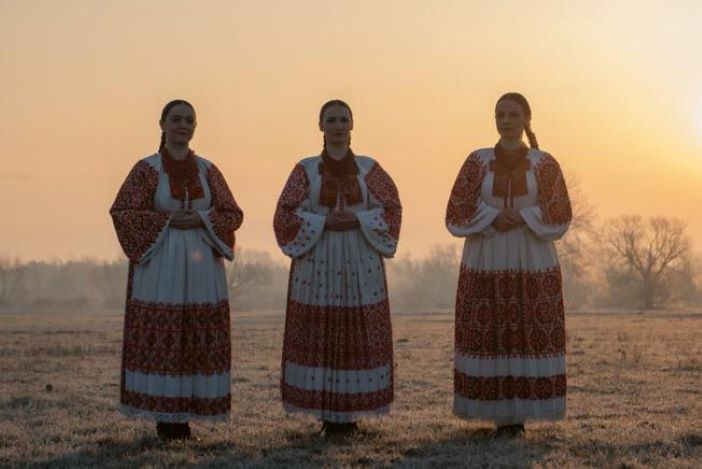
[
  {"x": 509, "y": 346},
  {"x": 337, "y": 353},
  {"x": 176, "y": 356}
]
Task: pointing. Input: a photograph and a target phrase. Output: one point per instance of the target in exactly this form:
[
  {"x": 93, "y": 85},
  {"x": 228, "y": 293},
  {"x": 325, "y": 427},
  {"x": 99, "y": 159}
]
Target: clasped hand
[
  {"x": 341, "y": 221},
  {"x": 185, "y": 220},
  {"x": 507, "y": 219}
]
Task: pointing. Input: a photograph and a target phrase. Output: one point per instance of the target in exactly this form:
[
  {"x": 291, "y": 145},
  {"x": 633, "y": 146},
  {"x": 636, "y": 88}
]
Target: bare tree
[
  {"x": 425, "y": 283},
  {"x": 11, "y": 276},
  {"x": 650, "y": 252},
  {"x": 110, "y": 281},
  {"x": 256, "y": 281},
  {"x": 247, "y": 269},
  {"x": 575, "y": 249}
]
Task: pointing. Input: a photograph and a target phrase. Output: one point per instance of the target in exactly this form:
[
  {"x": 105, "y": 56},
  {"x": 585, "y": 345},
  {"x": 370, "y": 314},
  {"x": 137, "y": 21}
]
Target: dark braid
[
  {"x": 328, "y": 104},
  {"x": 164, "y": 114},
  {"x": 522, "y": 101},
  {"x": 533, "y": 143},
  {"x": 163, "y": 142}
]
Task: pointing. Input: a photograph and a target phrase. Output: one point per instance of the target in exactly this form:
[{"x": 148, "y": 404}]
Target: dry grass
[{"x": 635, "y": 399}]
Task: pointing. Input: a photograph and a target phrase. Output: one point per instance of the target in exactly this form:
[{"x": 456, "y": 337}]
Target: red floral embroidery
[
  {"x": 337, "y": 402},
  {"x": 510, "y": 314},
  {"x": 465, "y": 195},
  {"x": 136, "y": 221},
  {"x": 183, "y": 175},
  {"x": 499, "y": 388},
  {"x": 286, "y": 223},
  {"x": 338, "y": 337},
  {"x": 177, "y": 339},
  {"x": 177, "y": 405},
  {"x": 381, "y": 185},
  {"x": 552, "y": 192},
  {"x": 226, "y": 216}
]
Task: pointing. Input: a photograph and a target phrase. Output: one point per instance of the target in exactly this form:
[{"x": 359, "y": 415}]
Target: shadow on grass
[
  {"x": 686, "y": 446},
  {"x": 475, "y": 447},
  {"x": 480, "y": 448},
  {"x": 297, "y": 448},
  {"x": 302, "y": 448},
  {"x": 144, "y": 451}
]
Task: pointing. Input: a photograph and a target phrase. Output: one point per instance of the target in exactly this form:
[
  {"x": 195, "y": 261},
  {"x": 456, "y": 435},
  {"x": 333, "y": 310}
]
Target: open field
[{"x": 634, "y": 399}]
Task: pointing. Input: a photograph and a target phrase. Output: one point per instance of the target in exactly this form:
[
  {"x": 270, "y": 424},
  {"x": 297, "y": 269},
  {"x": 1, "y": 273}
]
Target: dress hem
[
  {"x": 133, "y": 412},
  {"x": 510, "y": 420},
  {"x": 338, "y": 417}
]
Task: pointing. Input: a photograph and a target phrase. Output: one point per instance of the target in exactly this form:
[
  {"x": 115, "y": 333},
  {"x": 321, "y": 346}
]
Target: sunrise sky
[{"x": 615, "y": 88}]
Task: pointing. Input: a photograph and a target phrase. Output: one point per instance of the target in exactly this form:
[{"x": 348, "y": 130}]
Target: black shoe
[
  {"x": 510, "y": 431},
  {"x": 163, "y": 430},
  {"x": 173, "y": 431},
  {"x": 182, "y": 430},
  {"x": 334, "y": 429}
]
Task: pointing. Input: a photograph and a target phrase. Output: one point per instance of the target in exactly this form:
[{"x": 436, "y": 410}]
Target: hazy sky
[{"x": 615, "y": 88}]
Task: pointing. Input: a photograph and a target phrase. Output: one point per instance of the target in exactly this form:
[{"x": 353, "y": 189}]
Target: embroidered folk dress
[
  {"x": 337, "y": 351},
  {"x": 510, "y": 331},
  {"x": 176, "y": 356}
]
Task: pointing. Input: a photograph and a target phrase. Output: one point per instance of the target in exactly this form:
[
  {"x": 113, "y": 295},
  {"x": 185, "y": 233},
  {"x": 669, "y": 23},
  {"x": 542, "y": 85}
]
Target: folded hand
[
  {"x": 185, "y": 220},
  {"x": 341, "y": 221},
  {"x": 507, "y": 219}
]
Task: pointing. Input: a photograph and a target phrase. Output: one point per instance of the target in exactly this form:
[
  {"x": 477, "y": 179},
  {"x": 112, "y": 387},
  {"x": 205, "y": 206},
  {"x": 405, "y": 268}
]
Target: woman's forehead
[
  {"x": 508, "y": 105},
  {"x": 181, "y": 110},
  {"x": 336, "y": 111}
]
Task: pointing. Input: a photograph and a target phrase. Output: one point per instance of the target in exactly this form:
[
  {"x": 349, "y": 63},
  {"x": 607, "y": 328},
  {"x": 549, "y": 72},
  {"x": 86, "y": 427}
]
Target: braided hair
[
  {"x": 522, "y": 101},
  {"x": 327, "y": 105},
  {"x": 164, "y": 114}
]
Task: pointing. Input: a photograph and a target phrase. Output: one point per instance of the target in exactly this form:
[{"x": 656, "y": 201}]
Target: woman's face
[
  {"x": 179, "y": 124},
  {"x": 337, "y": 125},
  {"x": 510, "y": 119}
]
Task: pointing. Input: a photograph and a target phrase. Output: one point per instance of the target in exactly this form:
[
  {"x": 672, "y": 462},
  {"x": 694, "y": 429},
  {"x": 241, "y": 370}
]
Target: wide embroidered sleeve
[
  {"x": 467, "y": 213},
  {"x": 296, "y": 228},
  {"x": 224, "y": 217},
  {"x": 138, "y": 225},
  {"x": 381, "y": 223},
  {"x": 550, "y": 219}
]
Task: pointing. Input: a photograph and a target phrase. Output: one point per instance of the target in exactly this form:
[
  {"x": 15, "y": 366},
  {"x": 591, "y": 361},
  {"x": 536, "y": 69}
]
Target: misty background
[{"x": 625, "y": 262}]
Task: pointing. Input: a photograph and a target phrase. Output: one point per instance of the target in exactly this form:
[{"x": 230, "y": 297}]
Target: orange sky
[{"x": 616, "y": 93}]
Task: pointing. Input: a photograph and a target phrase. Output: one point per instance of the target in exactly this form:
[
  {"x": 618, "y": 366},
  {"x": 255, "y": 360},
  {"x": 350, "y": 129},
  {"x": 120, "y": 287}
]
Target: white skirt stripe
[
  {"x": 201, "y": 386},
  {"x": 517, "y": 367},
  {"x": 509, "y": 412},
  {"x": 337, "y": 381}
]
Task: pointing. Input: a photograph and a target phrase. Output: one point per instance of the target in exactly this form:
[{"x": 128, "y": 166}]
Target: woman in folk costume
[
  {"x": 338, "y": 216},
  {"x": 175, "y": 219},
  {"x": 510, "y": 202}
]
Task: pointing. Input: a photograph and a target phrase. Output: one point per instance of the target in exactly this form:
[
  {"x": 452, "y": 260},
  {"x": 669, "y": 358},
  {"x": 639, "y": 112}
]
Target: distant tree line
[
  {"x": 626, "y": 262},
  {"x": 638, "y": 263},
  {"x": 255, "y": 282}
]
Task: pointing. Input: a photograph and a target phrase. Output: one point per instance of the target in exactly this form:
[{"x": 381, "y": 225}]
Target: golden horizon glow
[{"x": 615, "y": 89}]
